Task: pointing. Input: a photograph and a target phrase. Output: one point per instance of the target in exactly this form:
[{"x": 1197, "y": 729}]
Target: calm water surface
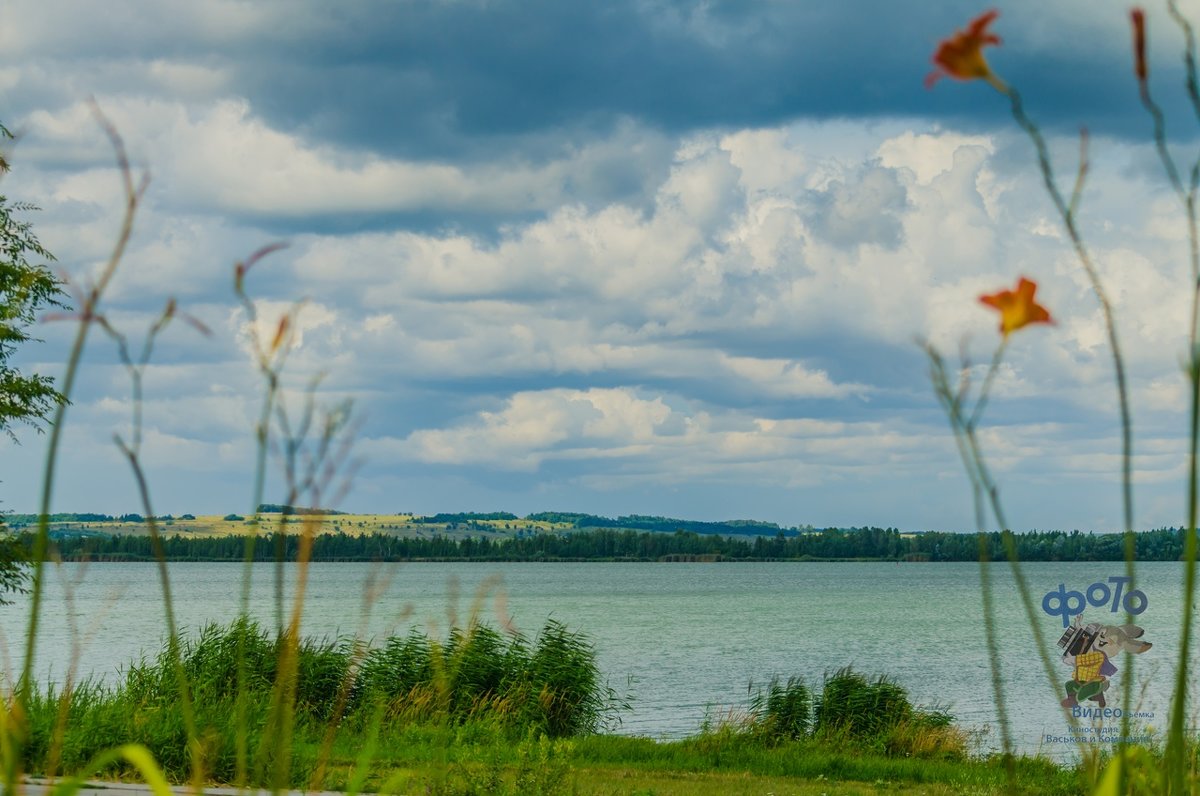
[{"x": 680, "y": 640}]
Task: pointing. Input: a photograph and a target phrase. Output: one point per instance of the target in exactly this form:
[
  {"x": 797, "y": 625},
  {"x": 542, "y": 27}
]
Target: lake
[{"x": 682, "y": 641}]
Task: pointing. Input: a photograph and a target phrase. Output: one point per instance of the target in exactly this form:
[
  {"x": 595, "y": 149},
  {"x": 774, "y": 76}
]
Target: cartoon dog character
[{"x": 1091, "y": 666}]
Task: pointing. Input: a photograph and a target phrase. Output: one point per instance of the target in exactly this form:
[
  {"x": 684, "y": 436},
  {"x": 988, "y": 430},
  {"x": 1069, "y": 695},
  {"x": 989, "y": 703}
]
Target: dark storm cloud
[
  {"x": 467, "y": 79},
  {"x": 472, "y": 79}
]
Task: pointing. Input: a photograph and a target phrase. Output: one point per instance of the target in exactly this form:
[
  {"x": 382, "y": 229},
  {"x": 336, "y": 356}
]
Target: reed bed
[
  {"x": 851, "y": 710},
  {"x": 545, "y": 687}
]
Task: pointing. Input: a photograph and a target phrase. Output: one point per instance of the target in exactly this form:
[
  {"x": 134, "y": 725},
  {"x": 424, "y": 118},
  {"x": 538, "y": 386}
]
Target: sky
[{"x": 636, "y": 257}]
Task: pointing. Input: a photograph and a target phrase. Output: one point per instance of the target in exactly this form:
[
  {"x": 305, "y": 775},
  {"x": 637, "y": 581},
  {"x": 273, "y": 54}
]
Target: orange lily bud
[
  {"x": 1138, "y": 18},
  {"x": 280, "y": 333}
]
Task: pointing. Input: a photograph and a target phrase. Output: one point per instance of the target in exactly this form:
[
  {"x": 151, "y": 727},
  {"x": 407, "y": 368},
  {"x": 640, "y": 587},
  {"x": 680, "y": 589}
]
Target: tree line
[{"x": 887, "y": 544}]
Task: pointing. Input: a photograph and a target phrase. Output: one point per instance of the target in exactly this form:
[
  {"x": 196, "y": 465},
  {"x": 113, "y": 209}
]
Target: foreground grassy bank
[
  {"x": 479, "y": 758},
  {"x": 476, "y": 760},
  {"x": 482, "y": 711}
]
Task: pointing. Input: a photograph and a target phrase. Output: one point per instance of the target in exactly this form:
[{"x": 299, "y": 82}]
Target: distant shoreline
[
  {"x": 449, "y": 560},
  {"x": 296, "y": 541}
]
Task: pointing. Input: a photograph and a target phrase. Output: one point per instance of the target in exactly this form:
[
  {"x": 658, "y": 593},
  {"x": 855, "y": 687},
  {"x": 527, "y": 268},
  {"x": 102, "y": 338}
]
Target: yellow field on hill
[{"x": 351, "y": 524}]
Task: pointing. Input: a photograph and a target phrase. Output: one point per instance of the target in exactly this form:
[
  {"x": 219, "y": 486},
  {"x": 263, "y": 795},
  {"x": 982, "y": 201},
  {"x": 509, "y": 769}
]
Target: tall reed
[
  {"x": 1177, "y": 764},
  {"x": 854, "y": 711},
  {"x": 961, "y": 57},
  {"x": 14, "y": 731},
  {"x": 321, "y": 442}
]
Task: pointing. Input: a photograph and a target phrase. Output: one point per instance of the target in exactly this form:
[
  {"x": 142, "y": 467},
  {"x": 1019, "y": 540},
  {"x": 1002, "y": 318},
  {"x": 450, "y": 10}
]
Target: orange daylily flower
[
  {"x": 961, "y": 55},
  {"x": 1017, "y": 308}
]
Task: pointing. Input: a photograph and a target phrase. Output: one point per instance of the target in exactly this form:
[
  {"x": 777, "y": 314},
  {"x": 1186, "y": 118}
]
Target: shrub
[
  {"x": 852, "y": 705},
  {"x": 783, "y": 711},
  {"x": 564, "y": 694},
  {"x": 851, "y": 710}
]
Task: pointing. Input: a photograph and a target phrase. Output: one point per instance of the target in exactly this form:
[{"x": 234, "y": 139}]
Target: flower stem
[{"x": 1067, "y": 213}]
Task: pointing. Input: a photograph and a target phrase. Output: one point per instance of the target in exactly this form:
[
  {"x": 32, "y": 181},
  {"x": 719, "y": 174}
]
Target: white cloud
[
  {"x": 660, "y": 438},
  {"x": 687, "y": 339},
  {"x": 531, "y": 426},
  {"x": 217, "y": 154},
  {"x": 788, "y": 378},
  {"x": 927, "y": 155},
  {"x": 767, "y": 162}
]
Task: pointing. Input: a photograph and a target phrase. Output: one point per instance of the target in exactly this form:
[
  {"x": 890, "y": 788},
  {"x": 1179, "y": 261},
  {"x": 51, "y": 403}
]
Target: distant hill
[
  {"x": 452, "y": 523},
  {"x": 642, "y": 522}
]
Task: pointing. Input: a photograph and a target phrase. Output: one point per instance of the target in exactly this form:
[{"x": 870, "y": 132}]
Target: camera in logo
[{"x": 1078, "y": 639}]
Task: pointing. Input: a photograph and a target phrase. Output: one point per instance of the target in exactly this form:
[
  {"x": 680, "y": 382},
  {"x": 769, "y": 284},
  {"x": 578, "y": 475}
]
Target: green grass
[
  {"x": 482, "y": 711},
  {"x": 813, "y": 759},
  {"x": 459, "y": 760}
]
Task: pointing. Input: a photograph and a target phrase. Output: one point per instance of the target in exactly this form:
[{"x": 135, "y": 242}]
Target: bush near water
[
  {"x": 870, "y": 714},
  {"x": 549, "y": 686}
]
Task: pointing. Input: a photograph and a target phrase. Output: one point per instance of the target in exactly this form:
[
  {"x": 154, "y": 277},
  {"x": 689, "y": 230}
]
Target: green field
[{"x": 352, "y": 524}]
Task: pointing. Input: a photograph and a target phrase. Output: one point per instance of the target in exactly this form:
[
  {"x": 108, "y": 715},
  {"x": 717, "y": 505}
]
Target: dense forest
[{"x": 1164, "y": 544}]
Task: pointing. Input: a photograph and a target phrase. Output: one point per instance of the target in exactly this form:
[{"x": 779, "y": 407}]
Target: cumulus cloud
[
  {"x": 659, "y": 437},
  {"x": 531, "y": 425},
  {"x": 865, "y": 211},
  {"x": 436, "y": 82},
  {"x": 221, "y": 156}
]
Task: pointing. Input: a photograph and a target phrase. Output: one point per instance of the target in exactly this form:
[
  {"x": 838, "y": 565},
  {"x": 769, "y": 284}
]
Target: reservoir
[{"x": 678, "y": 641}]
